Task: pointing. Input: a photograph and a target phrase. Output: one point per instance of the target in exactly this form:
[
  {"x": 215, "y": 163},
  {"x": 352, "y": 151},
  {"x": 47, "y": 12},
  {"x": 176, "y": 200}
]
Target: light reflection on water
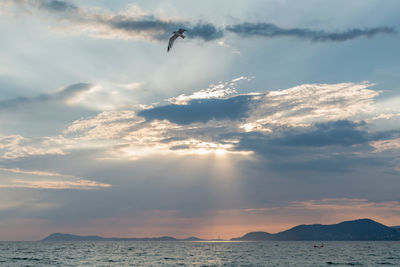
[{"x": 270, "y": 253}]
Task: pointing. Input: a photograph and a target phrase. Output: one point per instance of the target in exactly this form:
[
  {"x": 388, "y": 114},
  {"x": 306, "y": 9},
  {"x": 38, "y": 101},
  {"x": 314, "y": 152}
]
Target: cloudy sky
[{"x": 271, "y": 113}]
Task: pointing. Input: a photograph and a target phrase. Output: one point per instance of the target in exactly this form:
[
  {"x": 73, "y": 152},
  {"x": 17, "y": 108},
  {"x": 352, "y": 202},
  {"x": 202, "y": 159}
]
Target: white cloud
[
  {"x": 54, "y": 180},
  {"x": 361, "y": 208},
  {"x": 17, "y": 146},
  {"x": 123, "y": 134},
  {"x": 107, "y": 96},
  {"x": 382, "y": 145},
  {"x": 385, "y": 116},
  {"x": 310, "y": 103},
  {"x": 220, "y": 90},
  {"x": 131, "y": 86},
  {"x": 50, "y": 184},
  {"x": 34, "y": 172},
  {"x": 297, "y": 106},
  {"x": 106, "y": 125}
]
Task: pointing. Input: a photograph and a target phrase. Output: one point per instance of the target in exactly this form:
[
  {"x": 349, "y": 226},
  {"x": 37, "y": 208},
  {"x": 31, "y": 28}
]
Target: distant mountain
[
  {"x": 363, "y": 229},
  {"x": 358, "y": 230},
  {"x": 192, "y": 238},
  {"x": 69, "y": 237},
  {"x": 255, "y": 236}
]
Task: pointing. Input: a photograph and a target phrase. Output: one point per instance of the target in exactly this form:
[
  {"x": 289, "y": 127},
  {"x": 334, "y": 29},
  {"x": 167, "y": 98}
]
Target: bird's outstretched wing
[
  {"x": 180, "y": 31},
  {"x": 171, "y": 41}
]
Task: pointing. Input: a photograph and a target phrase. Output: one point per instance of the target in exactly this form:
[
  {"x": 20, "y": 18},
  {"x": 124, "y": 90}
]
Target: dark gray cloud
[
  {"x": 10, "y": 103},
  {"x": 154, "y": 28},
  {"x": 161, "y": 30},
  {"x": 210, "y": 32},
  {"x": 335, "y": 163},
  {"x": 147, "y": 26},
  {"x": 336, "y": 133},
  {"x": 57, "y": 5},
  {"x": 73, "y": 90},
  {"x": 343, "y": 133},
  {"x": 205, "y": 31},
  {"x": 61, "y": 95},
  {"x": 270, "y": 30},
  {"x": 234, "y": 108},
  {"x": 325, "y": 147}
]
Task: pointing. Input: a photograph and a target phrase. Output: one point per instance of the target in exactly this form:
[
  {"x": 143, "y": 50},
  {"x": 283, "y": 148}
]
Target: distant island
[
  {"x": 357, "y": 230},
  {"x": 69, "y": 237}
]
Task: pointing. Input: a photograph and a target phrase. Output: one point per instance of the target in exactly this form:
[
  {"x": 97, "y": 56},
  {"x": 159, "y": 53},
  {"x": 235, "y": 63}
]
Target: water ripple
[{"x": 199, "y": 254}]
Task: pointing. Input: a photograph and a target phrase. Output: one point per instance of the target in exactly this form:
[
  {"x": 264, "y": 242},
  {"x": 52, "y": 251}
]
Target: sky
[{"x": 269, "y": 114}]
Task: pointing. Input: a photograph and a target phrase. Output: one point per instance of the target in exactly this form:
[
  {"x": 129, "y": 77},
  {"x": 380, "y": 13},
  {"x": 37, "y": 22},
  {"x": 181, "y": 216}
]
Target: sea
[{"x": 158, "y": 253}]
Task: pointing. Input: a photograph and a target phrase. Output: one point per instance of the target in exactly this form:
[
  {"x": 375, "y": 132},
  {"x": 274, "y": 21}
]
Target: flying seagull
[{"x": 177, "y": 34}]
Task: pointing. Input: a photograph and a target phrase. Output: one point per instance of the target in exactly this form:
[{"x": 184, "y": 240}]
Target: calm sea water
[{"x": 199, "y": 254}]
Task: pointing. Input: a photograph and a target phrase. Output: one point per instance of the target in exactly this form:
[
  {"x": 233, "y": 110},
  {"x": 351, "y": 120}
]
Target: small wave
[
  {"x": 25, "y": 259},
  {"x": 141, "y": 254},
  {"x": 344, "y": 263}
]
